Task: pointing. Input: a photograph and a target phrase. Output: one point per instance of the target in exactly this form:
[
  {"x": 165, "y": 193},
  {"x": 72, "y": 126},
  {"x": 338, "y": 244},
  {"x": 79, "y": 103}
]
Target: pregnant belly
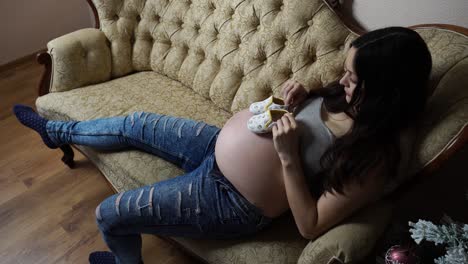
[{"x": 250, "y": 162}]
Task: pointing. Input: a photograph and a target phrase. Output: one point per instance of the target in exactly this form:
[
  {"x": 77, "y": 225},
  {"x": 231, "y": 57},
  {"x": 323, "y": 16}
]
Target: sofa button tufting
[
  {"x": 116, "y": 17},
  {"x": 310, "y": 22},
  {"x": 211, "y": 6},
  {"x": 138, "y": 18},
  {"x": 237, "y": 40}
]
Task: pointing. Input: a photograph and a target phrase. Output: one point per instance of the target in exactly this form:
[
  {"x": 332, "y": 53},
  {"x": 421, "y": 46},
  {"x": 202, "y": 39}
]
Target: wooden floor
[{"x": 46, "y": 209}]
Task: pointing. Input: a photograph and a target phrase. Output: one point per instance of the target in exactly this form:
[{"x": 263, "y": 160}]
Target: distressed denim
[{"x": 202, "y": 203}]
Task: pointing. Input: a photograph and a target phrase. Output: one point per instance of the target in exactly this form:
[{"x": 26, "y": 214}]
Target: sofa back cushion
[
  {"x": 446, "y": 115},
  {"x": 233, "y": 52}
]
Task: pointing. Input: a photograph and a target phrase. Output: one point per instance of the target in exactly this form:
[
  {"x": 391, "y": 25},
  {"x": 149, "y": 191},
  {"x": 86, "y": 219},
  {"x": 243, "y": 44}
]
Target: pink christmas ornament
[{"x": 401, "y": 255}]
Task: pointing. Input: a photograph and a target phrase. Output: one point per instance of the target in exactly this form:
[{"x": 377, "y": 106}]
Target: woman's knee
[
  {"x": 105, "y": 220},
  {"x": 139, "y": 116},
  {"x": 100, "y": 221},
  {"x": 138, "y": 120},
  {"x": 98, "y": 213}
]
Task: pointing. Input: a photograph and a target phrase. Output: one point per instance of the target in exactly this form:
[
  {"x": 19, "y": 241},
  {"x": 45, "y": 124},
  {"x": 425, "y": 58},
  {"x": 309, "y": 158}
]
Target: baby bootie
[
  {"x": 268, "y": 104},
  {"x": 264, "y": 122}
]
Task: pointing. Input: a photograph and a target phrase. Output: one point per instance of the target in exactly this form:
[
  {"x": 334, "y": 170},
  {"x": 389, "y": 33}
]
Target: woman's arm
[
  {"x": 303, "y": 205},
  {"x": 313, "y": 217}
]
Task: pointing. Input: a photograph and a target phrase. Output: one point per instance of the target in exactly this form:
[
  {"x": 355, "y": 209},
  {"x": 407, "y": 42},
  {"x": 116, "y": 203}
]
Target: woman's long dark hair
[{"x": 393, "y": 67}]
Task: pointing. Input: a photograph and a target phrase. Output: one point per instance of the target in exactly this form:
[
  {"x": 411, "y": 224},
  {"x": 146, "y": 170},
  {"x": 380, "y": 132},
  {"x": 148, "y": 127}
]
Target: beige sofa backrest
[
  {"x": 237, "y": 52},
  {"x": 233, "y": 52},
  {"x": 446, "y": 118}
]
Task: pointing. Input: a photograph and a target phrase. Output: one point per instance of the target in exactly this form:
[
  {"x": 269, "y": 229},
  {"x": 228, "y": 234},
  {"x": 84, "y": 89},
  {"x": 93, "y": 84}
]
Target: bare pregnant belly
[{"x": 250, "y": 162}]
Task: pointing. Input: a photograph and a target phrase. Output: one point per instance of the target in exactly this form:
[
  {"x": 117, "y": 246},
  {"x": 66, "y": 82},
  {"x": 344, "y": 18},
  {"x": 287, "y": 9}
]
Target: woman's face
[{"x": 349, "y": 79}]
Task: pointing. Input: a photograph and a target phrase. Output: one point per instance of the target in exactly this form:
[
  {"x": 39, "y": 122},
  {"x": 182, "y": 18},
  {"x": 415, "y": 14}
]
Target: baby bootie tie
[
  {"x": 270, "y": 103},
  {"x": 28, "y": 117},
  {"x": 263, "y": 123},
  {"x": 101, "y": 257}
]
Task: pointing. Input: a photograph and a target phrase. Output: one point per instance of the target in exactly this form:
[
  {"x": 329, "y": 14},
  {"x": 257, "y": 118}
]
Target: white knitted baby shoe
[
  {"x": 264, "y": 122},
  {"x": 268, "y": 104}
]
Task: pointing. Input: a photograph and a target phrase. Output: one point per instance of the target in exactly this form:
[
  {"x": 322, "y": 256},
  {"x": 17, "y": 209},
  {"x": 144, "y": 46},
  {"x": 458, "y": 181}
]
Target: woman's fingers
[
  {"x": 291, "y": 120},
  {"x": 297, "y": 93},
  {"x": 289, "y": 98},
  {"x": 279, "y": 125},
  {"x": 285, "y": 86},
  {"x": 286, "y": 89},
  {"x": 286, "y": 123},
  {"x": 274, "y": 130},
  {"x": 293, "y": 93}
]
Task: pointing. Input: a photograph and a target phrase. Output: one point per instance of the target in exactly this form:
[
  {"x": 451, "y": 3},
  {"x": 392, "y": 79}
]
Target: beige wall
[
  {"x": 372, "y": 14},
  {"x": 27, "y": 25}
]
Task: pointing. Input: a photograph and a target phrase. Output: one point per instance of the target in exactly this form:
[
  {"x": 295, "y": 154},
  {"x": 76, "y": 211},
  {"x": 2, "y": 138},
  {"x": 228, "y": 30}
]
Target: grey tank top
[{"x": 314, "y": 136}]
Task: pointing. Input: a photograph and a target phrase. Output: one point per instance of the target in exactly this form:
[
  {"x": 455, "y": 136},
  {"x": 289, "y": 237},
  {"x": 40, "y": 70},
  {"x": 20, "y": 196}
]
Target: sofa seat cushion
[
  {"x": 279, "y": 243},
  {"x": 144, "y": 91}
]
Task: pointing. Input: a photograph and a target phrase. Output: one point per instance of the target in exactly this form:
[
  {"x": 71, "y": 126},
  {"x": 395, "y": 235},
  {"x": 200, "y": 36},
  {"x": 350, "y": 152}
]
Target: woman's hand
[
  {"x": 294, "y": 93},
  {"x": 285, "y": 139}
]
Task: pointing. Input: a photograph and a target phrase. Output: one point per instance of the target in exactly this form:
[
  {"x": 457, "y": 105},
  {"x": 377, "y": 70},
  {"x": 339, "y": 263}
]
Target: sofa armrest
[
  {"x": 79, "y": 58},
  {"x": 352, "y": 240}
]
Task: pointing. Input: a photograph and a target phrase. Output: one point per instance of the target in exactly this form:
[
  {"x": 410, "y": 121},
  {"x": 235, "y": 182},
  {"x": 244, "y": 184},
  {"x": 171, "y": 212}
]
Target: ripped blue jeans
[{"x": 199, "y": 204}]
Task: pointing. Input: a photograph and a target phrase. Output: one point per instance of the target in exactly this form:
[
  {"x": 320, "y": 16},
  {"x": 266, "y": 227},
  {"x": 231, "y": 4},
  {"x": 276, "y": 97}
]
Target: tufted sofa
[{"x": 206, "y": 60}]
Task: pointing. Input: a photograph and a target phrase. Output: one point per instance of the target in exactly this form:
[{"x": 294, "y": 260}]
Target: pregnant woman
[{"x": 332, "y": 155}]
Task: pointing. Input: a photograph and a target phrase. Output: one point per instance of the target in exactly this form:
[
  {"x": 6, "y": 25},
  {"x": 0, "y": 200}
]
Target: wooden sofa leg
[{"x": 68, "y": 156}]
